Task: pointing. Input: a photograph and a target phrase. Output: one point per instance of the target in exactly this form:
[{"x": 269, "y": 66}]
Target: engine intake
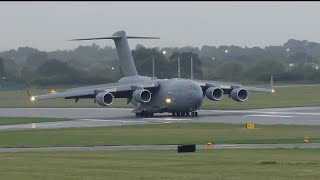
[
  {"x": 214, "y": 93},
  {"x": 142, "y": 95},
  {"x": 104, "y": 98},
  {"x": 239, "y": 94}
]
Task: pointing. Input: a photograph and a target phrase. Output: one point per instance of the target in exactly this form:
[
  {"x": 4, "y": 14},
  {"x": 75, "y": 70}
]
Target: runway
[
  {"x": 93, "y": 117},
  {"x": 163, "y": 147}
]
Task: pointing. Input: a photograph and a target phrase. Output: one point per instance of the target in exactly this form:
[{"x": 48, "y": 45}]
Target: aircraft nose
[
  {"x": 185, "y": 96},
  {"x": 197, "y": 98},
  {"x": 194, "y": 97}
]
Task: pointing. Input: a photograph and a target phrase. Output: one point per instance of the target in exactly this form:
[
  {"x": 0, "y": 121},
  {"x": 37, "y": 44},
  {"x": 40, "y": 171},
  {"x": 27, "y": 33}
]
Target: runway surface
[
  {"x": 163, "y": 147},
  {"x": 93, "y": 117}
]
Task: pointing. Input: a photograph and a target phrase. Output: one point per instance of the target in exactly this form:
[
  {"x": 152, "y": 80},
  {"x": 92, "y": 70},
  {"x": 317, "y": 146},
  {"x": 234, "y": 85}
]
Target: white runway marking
[{"x": 267, "y": 115}]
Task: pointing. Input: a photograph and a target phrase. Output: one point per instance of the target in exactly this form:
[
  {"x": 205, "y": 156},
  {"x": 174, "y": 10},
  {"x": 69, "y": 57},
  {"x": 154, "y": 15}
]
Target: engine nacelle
[
  {"x": 104, "y": 98},
  {"x": 239, "y": 94},
  {"x": 214, "y": 93},
  {"x": 142, "y": 95}
]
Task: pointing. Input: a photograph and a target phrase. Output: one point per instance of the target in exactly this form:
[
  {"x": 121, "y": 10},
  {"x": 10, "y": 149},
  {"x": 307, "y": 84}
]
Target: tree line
[{"x": 293, "y": 62}]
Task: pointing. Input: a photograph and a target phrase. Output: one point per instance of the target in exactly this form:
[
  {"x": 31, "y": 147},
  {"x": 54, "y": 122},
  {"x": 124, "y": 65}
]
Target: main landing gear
[
  {"x": 193, "y": 114},
  {"x": 144, "y": 114}
]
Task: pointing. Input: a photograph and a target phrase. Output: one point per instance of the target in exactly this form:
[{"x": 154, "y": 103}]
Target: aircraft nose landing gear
[{"x": 144, "y": 114}]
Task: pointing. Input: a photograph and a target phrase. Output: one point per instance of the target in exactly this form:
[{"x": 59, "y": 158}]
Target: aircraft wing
[
  {"x": 228, "y": 87},
  {"x": 119, "y": 90}
]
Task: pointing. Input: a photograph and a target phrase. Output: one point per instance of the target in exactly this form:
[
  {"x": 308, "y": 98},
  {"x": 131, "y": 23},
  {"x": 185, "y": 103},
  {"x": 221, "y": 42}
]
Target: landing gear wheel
[
  {"x": 144, "y": 114},
  {"x": 194, "y": 114},
  {"x": 138, "y": 114}
]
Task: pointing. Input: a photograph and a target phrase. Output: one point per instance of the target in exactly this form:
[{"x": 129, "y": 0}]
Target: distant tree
[
  {"x": 300, "y": 57},
  {"x": 143, "y": 60},
  {"x": 1, "y": 68},
  {"x": 185, "y": 64},
  {"x": 270, "y": 66},
  {"x": 55, "y": 67},
  {"x": 93, "y": 63},
  {"x": 230, "y": 71},
  {"x": 36, "y": 59},
  {"x": 263, "y": 70}
]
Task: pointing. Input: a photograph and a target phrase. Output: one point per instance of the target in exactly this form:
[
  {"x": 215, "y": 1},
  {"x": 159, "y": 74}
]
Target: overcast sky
[{"x": 47, "y": 25}]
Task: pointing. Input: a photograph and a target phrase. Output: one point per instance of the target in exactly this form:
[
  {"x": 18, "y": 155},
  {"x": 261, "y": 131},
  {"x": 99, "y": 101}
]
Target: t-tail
[{"x": 127, "y": 65}]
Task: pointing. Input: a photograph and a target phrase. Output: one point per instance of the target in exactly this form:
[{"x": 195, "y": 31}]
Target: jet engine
[
  {"x": 104, "y": 98},
  {"x": 142, "y": 95},
  {"x": 239, "y": 94},
  {"x": 214, "y": 93}
]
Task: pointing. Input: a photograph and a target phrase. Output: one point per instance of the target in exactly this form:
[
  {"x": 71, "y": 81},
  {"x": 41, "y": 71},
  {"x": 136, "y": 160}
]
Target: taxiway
[{"x": 163, "y": 147}]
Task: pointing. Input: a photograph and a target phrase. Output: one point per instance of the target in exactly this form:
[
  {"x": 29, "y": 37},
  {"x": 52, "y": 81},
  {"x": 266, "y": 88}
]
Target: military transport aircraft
[{"x": 181, "y": 97}]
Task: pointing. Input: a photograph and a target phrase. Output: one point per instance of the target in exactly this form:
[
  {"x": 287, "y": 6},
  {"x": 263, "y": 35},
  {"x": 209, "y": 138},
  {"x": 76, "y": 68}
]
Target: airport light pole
[
  {"x": 191, "y": 71},
  {"x": 288, "y": 52},
  {"x": 164, "y": 53},
  {"x": 152, "y": 66},
  {"x": 179, "y": 67}
]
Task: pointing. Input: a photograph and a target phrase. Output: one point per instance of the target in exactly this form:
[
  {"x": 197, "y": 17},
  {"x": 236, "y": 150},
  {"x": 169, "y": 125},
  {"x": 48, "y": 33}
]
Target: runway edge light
[{"x": 208, "y": 146}]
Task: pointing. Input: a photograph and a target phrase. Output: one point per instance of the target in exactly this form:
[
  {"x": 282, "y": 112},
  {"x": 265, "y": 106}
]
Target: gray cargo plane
[{"x": 181, "y": 97}]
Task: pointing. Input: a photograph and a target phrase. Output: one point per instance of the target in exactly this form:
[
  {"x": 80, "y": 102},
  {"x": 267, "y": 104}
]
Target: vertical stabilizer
[{"x": 128, "y": 68}]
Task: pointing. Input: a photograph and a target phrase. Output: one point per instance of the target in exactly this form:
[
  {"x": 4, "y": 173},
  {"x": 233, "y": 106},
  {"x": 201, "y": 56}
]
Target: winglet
[
  {"x": 28, "y": 93},
  {"x": 271, "y": 84},
  {"x": 32, "y": 98}
]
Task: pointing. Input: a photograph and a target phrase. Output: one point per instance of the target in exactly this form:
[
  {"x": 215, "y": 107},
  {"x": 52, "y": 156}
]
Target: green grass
[
  {"x": 175, "y": 133},
  {"x": 283, "y": 97},
  {"x": 23, "y": 120},
  {"x": 235, "y": 164}
]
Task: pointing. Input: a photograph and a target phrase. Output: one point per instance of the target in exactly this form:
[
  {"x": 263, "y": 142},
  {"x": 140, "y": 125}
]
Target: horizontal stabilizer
[
  {"x": 111, "y": 37},
  {"x": 139, "y": 37},
  {"x": 115, "y": 37}
]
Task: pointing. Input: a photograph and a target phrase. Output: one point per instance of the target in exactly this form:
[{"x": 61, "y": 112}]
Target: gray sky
[{"x": 47, "y": 25}]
